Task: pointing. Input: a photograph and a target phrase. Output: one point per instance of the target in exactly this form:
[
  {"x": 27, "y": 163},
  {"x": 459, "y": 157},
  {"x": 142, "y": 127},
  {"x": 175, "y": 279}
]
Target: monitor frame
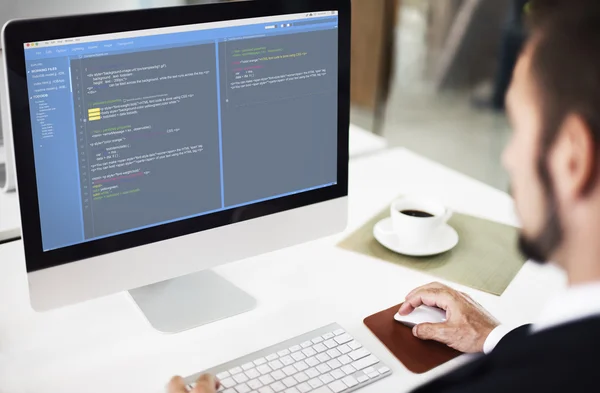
[{"x": 16, "y": 33}]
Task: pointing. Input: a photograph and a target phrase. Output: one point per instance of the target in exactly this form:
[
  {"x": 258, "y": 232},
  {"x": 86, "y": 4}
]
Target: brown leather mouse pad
[{"x": 417, "y": 355}]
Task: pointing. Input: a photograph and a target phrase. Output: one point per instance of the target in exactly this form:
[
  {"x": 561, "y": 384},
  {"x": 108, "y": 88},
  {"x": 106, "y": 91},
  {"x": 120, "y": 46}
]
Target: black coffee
[{"x": 416, "y": 213}]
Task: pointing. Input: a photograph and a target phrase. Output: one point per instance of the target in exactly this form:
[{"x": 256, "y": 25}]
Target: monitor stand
[{"x": 190, "y": 301}]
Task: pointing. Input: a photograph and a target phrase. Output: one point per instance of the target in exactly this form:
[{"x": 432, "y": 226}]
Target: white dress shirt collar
[{"x": 575, "y": 303}]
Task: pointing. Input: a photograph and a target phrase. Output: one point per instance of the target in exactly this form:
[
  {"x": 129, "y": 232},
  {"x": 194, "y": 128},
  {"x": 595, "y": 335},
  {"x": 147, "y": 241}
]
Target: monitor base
[{"x": 191, "y": 301}]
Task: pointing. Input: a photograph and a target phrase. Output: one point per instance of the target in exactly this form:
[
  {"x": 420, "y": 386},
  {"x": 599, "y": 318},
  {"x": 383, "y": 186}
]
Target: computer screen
[{"x": 142, "y": 128}]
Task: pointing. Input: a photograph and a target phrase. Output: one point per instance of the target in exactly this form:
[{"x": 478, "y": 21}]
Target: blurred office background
[{"x": 423, "y": 71}]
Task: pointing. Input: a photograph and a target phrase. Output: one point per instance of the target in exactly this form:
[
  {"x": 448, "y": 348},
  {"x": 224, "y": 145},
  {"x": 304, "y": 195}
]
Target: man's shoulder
[{"x": 581, "y": 335}]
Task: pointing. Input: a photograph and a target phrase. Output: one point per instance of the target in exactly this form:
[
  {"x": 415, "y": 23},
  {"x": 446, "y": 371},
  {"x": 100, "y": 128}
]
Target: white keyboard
[{"x": 326, "y": 360}]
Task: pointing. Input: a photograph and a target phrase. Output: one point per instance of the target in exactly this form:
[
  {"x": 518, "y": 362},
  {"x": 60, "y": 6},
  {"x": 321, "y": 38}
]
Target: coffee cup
[{"x": 415, "y": 220}]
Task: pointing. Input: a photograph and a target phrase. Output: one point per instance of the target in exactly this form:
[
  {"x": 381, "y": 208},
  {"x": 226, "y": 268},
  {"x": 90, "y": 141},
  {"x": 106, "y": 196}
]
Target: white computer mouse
[{"x": 422, "y": 314}]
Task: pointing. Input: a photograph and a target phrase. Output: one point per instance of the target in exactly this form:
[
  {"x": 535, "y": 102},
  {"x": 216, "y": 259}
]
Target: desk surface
[
  {"x": 363, "y": 142},
  {"x": 106, "y": 345}
]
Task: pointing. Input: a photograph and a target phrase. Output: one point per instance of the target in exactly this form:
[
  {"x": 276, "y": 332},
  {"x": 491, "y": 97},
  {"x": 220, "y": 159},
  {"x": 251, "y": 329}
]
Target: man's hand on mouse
[
  {"x": 204, "y": 384},
  {"x": 467, "y": 324}
]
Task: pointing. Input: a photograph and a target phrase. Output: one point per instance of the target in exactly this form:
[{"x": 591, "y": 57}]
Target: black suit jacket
[{"x": 562, "y": 359}]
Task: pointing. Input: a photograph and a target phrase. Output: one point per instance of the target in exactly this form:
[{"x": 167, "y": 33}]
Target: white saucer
[{"x": 444, "y": 240}]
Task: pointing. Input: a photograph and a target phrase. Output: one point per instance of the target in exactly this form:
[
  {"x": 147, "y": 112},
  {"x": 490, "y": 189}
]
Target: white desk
[
  {"x": 10, "y": 218},
  {"x": 106, "y": 345},
  {"x": 363, "y": 142}
]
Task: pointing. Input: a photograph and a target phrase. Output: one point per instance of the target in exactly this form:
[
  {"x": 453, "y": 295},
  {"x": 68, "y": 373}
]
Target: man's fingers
[
  {"x": 430, "y": 331},
  {"x": 431, "y": 285},
  {"x": 176, "y": 385},
  {"x": 433, "y": 297},
  {"x": 206, "y": 384}
]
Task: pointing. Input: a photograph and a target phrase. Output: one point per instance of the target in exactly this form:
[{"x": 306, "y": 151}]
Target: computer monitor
[{"x": 154, "y": 144}]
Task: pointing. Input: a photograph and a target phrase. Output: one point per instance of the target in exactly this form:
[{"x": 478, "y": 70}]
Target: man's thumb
[{"x": 426, "y": 331}]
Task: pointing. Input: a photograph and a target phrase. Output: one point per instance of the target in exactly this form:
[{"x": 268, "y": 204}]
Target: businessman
[{"x": 554, "y": 163}]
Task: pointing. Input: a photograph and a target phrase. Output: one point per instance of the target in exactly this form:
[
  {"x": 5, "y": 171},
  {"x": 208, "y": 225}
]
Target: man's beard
[{"x": 541, "y": 248}]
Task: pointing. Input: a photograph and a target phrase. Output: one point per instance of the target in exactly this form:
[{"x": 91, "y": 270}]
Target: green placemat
[{"x": 486, "y": 258}]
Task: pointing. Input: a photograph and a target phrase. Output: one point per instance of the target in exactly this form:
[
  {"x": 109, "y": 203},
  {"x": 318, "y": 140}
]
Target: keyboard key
[
  {"x": 312, "y": 373},
  {"x": 365, "y": 362},
  {"x": 275, "y": 364},
  {"x": 343, "y": 339},
  {"x": 317, "y": 340},
  {"x": 301, "y": 365},
  {"x": 292, "y": 390},
  {"x": 240, "y": 378},
  {"x": 223, "y": 375},
  {"x": 312, "y": 361},
  {"x": 306, "y": 344},
  {"x": 323, "y": 357},
  {"x": 368, "y": 370},
  {"x": 289, "y": 382},
  {"x": 228, "y": 382},
  {"x": 266, "y": 389},
  {"x": 255, "y": 384},
  {"x": 247, "y": 366},
  {"x": 252, "y": 374},
  {"x": 322, "y": 389},
  {"x": 264, "y": 369},
  {"x": 338, "y": 332},
  {"x": 374, "y": 374},
  {"x": 315, "y": 383},
  {"x": 323, "y": 368},
  {"x": 334, "y": 364},
  {"x": 278, "y": 387},
  {"x": 359, "y": 354},
  {"x": 327, "y": 336},
  {"x": 308, "y": 352},
  {"x": 289, "y": 370},
  {"x": 344, "y": 359},
  {"x": 230, "y": 390},
  {"x": 297, "y": 356},
  {"x": 287, "y": 360},
  {"x": 283, "y": 352},
  {"x": 362, "y": 378},
  {"x": 260, "y": 361},
  {"x": 295, "y": 348},
  {"x": 304, "y": 387},
  {"x": 266, "y": 380},
  {"x": 383, "y": 370},
  {"x": 337, "y": 386},
  {"x": 354, "y": 344},
  {"x": 243, "y": 388},
  {"x": 320, "y": 348},
  {"x": 334, "y": 353},
  {"x": 350, "y": 381},
  {"x": 235, "y": 370},
  {"x": 344, "y": 349},
  {"x": 337, "y": 374},
  {"x": 301, "y": 377},
  {"x": 327, "y": 378},
  {"x": 277, "y": 375},
  {"x": 330, "y": 344},
  {"x": 272, "y": 357},
  {"x": 348, "y": 369}
]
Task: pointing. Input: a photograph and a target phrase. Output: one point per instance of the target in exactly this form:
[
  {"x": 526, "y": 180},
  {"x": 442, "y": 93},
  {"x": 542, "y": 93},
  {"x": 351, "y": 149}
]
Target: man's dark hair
[
  {"x": 565, "y": 64},
  {"x": 565, "y": 69}
]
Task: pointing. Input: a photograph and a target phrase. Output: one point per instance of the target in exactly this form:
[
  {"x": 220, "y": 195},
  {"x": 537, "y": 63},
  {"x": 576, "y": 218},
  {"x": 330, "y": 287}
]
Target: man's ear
[{"x": 572, "y": 159}]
